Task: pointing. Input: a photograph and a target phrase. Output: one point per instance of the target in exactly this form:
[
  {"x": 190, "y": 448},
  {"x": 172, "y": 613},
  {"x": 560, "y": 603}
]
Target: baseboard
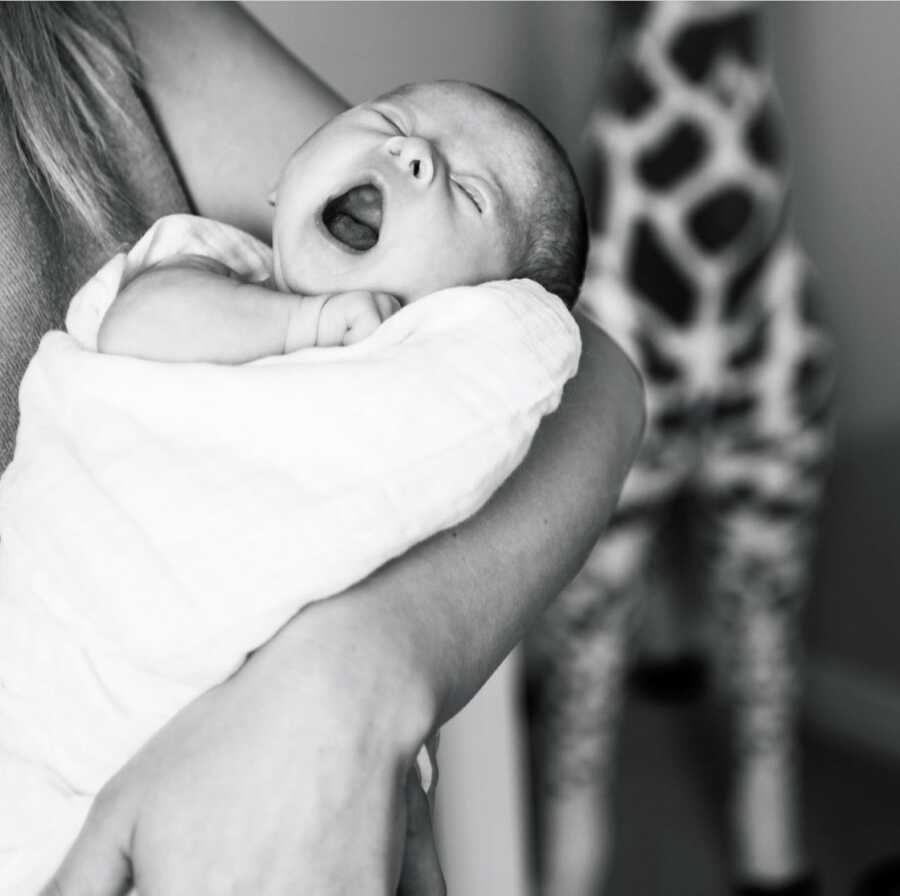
[{"x": 853, "y": 705}]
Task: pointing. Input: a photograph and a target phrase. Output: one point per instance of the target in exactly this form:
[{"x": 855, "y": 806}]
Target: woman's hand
[{"x": 290, "y": 777}]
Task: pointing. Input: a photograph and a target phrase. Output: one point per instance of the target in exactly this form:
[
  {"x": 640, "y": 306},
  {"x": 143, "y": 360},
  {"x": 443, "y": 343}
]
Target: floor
[{"x": 670, "y": 802}]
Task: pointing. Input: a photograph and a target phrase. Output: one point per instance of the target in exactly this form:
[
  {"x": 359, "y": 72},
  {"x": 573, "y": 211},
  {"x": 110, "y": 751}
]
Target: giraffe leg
[
  {"x": 763, "y": 679},
  {"x": 763, "y": 476},
  {"x": 576, "y": 666},
  {"x": 762, "y": 537}
]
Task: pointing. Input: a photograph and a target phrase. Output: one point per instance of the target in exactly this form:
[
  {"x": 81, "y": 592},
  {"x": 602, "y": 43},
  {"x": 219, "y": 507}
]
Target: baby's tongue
[{"x": 354, "y": 217}]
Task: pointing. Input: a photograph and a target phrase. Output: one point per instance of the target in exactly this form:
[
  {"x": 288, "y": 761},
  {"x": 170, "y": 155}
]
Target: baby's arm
[{"x": 194, "y": 308}]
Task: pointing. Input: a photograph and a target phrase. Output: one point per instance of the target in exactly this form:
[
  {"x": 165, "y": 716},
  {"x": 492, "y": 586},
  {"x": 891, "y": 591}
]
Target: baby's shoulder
[{"x": 181, "y": 236}]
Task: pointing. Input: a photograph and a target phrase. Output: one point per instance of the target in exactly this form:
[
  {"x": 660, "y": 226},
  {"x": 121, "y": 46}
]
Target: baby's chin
[
  {"x": 304, "y": 282},
  {"x": 381, "y": 269},
  {"x": 293, "y": 277}
]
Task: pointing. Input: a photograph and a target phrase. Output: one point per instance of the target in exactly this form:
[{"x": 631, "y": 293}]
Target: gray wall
[
  {"x": 839, "y": 81},
  {"x": 839, "y": 77},
  {"x": 542, "y": 54}
]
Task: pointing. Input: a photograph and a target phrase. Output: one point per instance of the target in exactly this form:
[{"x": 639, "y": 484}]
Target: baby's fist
[{"x": 348, "y": 317}]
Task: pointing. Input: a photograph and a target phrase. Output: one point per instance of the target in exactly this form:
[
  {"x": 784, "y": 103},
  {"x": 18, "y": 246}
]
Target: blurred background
[{"x": 838, "y": 74}]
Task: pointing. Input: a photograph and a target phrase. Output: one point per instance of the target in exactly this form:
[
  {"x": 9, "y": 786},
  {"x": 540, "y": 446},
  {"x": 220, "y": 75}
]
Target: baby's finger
[
  {"x": 386, "y": 304},
  {"x": 363, "y": 323}
]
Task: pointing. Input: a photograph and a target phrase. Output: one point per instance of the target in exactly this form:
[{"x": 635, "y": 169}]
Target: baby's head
[{"x": 432, "y": 185}]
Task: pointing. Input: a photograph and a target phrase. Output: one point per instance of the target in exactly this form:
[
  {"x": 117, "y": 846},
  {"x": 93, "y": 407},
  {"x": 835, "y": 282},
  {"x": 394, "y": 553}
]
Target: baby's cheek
[{"x": 312, "y": 272}]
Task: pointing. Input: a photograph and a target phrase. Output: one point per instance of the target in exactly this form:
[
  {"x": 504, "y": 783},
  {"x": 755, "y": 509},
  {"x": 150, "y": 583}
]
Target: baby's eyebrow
[{"x": 478, "y": 169}]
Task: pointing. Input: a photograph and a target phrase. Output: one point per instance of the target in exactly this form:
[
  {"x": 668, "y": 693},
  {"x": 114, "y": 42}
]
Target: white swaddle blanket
[{"x": 159, "y": 521}]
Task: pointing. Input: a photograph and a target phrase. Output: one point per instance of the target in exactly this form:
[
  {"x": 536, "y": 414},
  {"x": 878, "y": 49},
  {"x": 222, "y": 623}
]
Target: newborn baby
[
  {"x": 432, "y": 185},
  {"x": 159, "y": 521}
]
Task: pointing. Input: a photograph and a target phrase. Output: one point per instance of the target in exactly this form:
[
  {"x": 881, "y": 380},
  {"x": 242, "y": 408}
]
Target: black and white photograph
[{"x": 447, "y": 448}]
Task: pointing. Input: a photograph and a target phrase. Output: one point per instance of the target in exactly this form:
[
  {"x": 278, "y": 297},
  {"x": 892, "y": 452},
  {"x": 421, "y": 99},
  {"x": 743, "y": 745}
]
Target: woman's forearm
[{"x": 443, "y": 616}]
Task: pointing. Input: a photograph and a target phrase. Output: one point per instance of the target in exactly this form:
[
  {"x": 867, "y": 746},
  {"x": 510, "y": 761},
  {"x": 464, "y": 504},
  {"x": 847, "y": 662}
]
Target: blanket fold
[{"x": 160, "y": 521}]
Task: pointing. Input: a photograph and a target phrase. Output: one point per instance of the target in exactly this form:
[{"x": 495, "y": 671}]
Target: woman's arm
[
  {"x": 458, "y": 603},
  {"x": 289, "y": 776}
]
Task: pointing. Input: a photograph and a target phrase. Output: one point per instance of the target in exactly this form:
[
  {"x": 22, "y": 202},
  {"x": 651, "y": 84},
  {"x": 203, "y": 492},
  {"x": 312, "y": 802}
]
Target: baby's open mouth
[{"x": 354, "y": 217}]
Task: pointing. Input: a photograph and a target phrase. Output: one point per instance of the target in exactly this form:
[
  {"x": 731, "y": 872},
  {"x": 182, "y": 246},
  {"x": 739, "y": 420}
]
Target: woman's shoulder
[{"x": 232, "y": 102}]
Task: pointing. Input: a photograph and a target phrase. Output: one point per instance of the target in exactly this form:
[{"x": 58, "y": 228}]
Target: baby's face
[{"x": 407, "y": 195}]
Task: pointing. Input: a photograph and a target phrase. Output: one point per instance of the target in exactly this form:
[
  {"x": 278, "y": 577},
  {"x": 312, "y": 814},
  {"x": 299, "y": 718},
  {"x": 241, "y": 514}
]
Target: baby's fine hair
[{"x": 556, "y": 243}]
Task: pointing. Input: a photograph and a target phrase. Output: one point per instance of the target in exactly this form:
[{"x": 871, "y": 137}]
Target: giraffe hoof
[
  {"x": 805, "y": 885},
  {"x": 682, "y": 678}
]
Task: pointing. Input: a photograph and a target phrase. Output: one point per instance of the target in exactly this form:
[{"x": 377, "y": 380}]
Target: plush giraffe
[{"x": 694, "y": 271}]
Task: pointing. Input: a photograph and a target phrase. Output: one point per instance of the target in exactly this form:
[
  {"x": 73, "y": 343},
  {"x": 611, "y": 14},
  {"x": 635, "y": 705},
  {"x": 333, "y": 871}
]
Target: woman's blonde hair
[{"x": 58, "y": 65}]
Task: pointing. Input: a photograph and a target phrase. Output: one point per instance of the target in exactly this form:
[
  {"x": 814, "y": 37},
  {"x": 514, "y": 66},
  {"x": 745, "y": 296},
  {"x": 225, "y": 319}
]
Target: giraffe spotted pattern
[{"x": 694, "y": 271}]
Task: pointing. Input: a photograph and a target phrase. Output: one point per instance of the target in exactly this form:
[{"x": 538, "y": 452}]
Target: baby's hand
[{"x": 348, "y": 317}]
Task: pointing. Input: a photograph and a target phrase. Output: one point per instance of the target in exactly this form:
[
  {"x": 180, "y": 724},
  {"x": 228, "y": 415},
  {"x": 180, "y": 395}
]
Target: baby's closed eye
[{"x": 471, "y": 195}]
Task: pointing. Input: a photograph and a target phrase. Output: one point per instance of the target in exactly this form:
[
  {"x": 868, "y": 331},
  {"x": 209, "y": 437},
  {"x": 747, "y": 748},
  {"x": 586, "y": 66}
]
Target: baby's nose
[{"x": 414, "y": 156}]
